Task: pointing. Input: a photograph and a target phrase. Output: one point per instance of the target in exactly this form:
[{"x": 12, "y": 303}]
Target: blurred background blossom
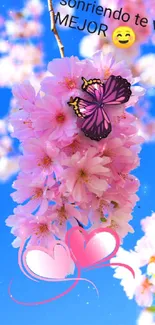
[{"x": 21, "y": 58}]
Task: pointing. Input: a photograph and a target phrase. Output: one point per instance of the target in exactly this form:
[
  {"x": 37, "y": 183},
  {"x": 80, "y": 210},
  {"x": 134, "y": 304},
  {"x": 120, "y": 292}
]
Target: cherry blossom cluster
[{"x": 65, "y": 177}]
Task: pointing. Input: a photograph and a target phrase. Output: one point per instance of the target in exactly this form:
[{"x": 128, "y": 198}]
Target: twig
[{"x": 53, "y": 28}]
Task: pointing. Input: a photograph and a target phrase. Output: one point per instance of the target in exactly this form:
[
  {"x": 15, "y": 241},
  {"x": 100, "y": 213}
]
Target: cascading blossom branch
[{"x": 67, "y": 178}]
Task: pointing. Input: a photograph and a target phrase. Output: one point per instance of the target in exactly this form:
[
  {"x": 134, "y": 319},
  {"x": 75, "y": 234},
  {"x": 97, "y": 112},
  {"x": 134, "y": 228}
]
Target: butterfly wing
[
  {"x": 94, "y": 88},
  {"x": 116, "y": 91},
  {"x": 82, "y": 107},
  {"x": 97, "y": 125}
]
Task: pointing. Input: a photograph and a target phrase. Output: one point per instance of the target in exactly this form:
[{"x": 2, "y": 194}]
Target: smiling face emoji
[{"x": 123, "y": 37}]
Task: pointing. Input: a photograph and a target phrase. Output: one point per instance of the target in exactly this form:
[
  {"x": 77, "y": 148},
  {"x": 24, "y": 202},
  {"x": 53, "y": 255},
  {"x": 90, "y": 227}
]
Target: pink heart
[
  {"x": 89, "y": 249},
  {"x": 55, "y": 263}
]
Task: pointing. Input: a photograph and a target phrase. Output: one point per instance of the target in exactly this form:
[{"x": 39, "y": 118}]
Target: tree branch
[{"x": 53, "y": 28}]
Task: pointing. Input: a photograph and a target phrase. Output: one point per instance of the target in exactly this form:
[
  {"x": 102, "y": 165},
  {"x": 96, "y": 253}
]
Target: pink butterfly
[{"x": 114, "y": 91}]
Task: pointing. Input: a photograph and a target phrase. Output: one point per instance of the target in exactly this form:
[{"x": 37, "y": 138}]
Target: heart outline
[{"x": 87, "y": 238}]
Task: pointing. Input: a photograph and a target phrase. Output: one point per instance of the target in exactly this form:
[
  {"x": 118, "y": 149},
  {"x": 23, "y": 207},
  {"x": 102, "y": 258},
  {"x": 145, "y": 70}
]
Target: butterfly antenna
[
  {"x": 71, "y": 101},
  {"x": 85, "y": 82}
]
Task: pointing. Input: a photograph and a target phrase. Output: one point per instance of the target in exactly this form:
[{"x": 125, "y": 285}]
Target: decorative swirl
[
  {"x": 86, "y": 250},
  {"x": 31, "y": 275}
]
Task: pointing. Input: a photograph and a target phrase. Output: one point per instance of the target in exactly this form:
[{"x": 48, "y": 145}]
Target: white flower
[
  {"x": 33, "y": 8},
  {"x": 89, "y": 45},
  {"x": 8, "y": 167},
  {"x": 128, "y": 282},
  {"x": 145, "y": 318},
  {"x": 146, "y": 250},
  {"x": 144, "y": 67}
]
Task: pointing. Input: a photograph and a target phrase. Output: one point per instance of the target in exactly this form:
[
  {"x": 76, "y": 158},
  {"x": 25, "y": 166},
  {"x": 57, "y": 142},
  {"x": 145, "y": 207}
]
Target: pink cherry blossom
[
  {"x": 38, "y": 228},
  {"x": 41, "y": 157},
  {"x": 85, "y": 174},
  {"x": 107, "y": 66},
  {"x": 62, "y": 213},
  {"x": 36, "y": 191},
  {"x": 60, "y": 118},
  {"x": 67, "y": 73}
]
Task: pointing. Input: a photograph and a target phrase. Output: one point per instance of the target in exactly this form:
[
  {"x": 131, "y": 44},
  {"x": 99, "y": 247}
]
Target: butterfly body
[{"x": 96, "y": 123}]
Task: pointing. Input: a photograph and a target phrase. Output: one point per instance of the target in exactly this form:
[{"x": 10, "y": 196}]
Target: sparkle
[{"x": 145, "y": 188}]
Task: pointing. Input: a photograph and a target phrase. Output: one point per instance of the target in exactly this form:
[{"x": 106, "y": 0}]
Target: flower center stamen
[
  {"x": 60, "y": 118},
  {"x": 107, "y": 73},
  {"x": 41, "y": 229},
  {"x": 145, "y": 285},
  {"x": 28, "y": 123},
  {"x": 83, "y": 175},
  {"x": 70, "y": 83},
  {"x": 62, "y": 214},
  {"x": 38, "y": 194},
  {"x": 152, "y": 259},
  {"x": 45, "y": 162},
  {"x": 113, "y": 225}
]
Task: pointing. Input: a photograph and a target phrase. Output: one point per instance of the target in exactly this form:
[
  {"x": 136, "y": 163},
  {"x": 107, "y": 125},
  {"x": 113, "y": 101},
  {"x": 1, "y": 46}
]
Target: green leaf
[
  {"x": 151, "y": 309},
  {"x": 103, "y": 219}
]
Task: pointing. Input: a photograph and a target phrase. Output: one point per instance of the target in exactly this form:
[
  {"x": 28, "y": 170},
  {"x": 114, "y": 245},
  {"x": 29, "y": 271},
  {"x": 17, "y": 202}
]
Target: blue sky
[{"x": 81, "y": 306}]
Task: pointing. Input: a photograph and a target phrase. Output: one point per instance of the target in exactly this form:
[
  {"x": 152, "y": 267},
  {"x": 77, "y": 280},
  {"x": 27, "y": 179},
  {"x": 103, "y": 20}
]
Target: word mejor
[
  {"x": 72, "y": 22},
  {"x": 90, "y": 26}
]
